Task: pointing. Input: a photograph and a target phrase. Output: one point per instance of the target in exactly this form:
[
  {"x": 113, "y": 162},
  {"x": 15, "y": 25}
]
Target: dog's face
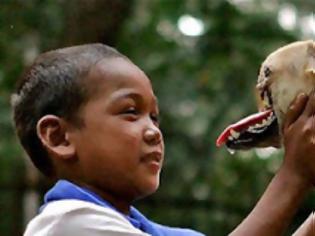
[{"x": 284, "y": 74}]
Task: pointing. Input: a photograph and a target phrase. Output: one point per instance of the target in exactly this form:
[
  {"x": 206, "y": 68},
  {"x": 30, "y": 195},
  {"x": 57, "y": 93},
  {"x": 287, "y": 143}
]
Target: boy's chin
[{"x": 149, "y": 189}]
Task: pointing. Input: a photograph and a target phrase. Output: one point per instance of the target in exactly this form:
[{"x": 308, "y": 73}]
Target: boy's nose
[{"x": 153, "y": 136}]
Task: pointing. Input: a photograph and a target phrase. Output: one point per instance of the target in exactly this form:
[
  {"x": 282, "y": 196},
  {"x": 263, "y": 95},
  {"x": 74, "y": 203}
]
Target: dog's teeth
[
  {"x": 230, "y": 138},
  {"x": 266, "y": 102},
  {"x": 235, "y": 134},
  {"x": 264, "y": 122},
  {"x": 266, "y": 99},
  {"x": 270, "y": 119}
]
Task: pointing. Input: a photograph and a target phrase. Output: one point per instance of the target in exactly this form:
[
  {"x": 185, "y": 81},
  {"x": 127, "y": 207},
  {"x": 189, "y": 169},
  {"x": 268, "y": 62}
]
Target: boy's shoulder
[
  {"x": 70, "y": 209},
  {"x": 70, "y": 217}
]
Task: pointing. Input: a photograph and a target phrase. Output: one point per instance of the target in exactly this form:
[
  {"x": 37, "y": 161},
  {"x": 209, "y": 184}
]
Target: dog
[{"x": 284, "y": 74}]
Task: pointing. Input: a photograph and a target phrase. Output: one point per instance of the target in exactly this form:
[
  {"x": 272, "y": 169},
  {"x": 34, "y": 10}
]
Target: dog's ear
[{"x": 310, "y": 69}]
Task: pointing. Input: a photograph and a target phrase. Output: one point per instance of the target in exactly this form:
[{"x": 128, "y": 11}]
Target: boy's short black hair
[{"x": 53, "y": 84}]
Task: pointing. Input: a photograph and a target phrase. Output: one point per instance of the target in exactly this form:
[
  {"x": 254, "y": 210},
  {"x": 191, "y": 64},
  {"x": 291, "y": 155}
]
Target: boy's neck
[{"x": 121, "y": 204}]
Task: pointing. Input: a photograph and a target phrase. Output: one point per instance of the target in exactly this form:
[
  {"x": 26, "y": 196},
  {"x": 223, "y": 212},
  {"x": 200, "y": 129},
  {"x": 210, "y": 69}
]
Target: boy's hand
[
  {"x": 299, "y": 139},
  {"x": 293, "y": 181}
]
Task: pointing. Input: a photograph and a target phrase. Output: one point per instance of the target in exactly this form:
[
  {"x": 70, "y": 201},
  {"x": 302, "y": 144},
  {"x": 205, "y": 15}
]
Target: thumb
[
  {"x": 310, "y": 107},
  {"x": 295, "y": 110}
]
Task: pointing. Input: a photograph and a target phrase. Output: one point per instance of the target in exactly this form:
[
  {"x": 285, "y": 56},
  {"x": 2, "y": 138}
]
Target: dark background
[{"x": 203, "y": 81}]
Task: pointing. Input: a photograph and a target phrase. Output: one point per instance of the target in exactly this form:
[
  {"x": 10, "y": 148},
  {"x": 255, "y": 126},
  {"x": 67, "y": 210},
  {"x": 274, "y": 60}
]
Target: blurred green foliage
[{"x": 203, "y": 83}]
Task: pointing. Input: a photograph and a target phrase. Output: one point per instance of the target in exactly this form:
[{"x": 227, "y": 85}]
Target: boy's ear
[{"x": 53, "y": 133}]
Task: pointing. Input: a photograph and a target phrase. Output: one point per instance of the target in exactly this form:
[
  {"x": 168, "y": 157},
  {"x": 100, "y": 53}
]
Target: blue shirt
[{"x": 64, "y": 189}]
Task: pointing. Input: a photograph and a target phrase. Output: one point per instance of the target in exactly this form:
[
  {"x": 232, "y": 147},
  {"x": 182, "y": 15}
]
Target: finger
[
  {"x": 295, "y": 110},
  {"x": 310, "y": 106}
]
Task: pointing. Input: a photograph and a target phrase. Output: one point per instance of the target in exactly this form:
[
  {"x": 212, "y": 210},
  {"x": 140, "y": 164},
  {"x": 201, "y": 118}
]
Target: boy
[{"x": 88, "y": 118}]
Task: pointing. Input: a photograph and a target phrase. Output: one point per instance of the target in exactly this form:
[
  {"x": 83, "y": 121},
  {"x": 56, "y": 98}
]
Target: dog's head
[{"x": 284, "y": 74}]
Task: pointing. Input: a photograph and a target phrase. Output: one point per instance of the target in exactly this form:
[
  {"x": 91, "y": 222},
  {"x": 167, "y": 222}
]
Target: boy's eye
[
  {"x": 131, "y": 110},
  {"x": 155, "y": 118}
]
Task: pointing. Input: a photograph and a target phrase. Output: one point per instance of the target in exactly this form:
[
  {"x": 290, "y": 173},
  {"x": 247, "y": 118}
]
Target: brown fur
[{"x": 292, "y": 71}]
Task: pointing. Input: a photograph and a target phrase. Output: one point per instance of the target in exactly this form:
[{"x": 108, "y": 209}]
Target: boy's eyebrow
[{"x": 131, "y": 94}]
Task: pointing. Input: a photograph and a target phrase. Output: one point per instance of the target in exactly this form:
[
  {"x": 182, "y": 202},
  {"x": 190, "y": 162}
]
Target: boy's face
[{"x": 120, "y": 147}]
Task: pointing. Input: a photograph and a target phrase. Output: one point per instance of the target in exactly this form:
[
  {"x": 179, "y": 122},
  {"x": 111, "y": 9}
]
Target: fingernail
[{"x": 300, "y": 96}]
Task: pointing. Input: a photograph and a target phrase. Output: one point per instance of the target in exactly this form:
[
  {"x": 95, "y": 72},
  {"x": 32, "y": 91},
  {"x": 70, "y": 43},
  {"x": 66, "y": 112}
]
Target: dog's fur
[
  {"x": 287, "y": 72},
  {"x": 284, "y": 74}
]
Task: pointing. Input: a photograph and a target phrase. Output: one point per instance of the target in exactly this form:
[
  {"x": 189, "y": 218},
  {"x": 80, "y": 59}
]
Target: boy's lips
[
  {"x": 155, "y": 156},
  {"x": 153, "y": 160}
]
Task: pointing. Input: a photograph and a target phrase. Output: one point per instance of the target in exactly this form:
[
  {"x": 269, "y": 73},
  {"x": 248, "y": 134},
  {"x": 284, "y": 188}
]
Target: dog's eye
[{"x": 267, "y": 71}]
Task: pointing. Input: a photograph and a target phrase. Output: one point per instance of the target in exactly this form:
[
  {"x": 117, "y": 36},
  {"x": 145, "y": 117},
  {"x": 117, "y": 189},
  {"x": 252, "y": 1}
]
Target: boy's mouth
[
  {"x": 253, "y": 130},
  {"x": 153, "y": 156},
  {"x": 153, "y": 160}
]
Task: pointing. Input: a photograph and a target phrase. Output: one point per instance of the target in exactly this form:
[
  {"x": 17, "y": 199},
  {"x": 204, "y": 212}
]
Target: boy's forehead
[
  {"x": 116, "y": 67},
  {"x": 115, "y": 73}
]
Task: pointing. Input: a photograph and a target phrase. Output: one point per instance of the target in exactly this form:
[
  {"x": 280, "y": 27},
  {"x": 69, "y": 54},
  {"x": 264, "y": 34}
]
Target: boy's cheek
[
  {"x": 132, "y": 139},
  {"x": 130, "y": 133}
]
